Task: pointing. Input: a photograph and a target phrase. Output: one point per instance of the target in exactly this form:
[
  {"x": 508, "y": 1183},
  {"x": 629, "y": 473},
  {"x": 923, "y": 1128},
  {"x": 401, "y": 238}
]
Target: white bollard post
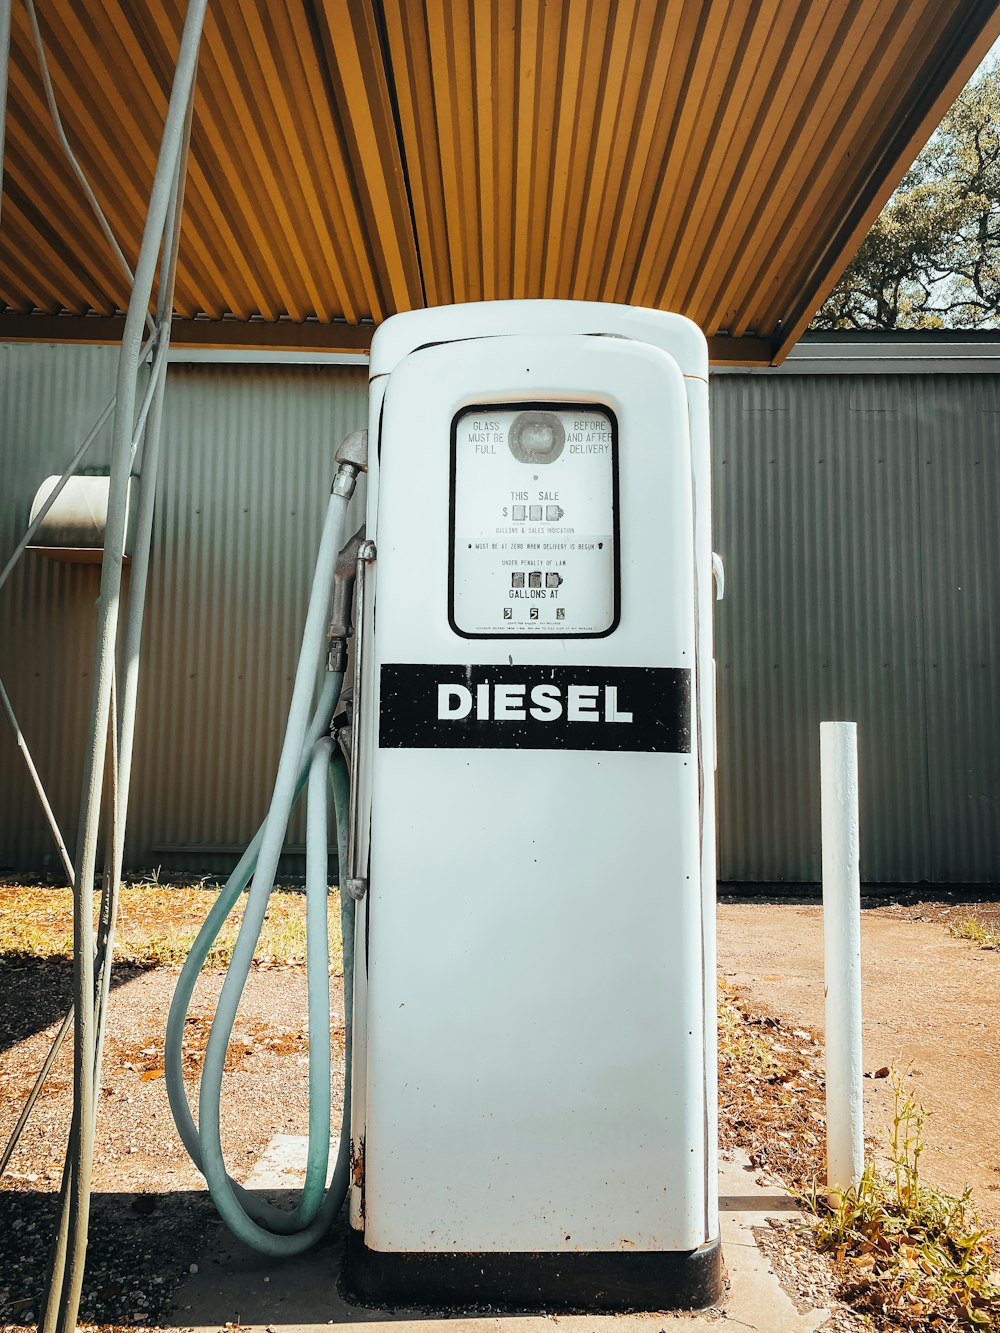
[{"x": 845, "y": 1145}]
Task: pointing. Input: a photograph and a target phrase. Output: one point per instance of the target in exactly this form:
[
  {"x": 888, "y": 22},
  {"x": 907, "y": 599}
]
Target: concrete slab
[
  {"x": 282, "y": 1165},
  {"x": 236, "y": 1287}
]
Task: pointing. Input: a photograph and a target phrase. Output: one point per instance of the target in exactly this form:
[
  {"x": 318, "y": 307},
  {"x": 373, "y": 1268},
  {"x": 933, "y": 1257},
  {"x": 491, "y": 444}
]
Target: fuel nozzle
[
  {"x": 352, "y": 458},
  {"x": 342, "y": 601}
]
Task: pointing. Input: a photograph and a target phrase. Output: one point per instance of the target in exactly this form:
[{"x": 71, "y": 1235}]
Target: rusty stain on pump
[
  {"x": 358, "y": 1164},
  {"x": 358, "y": 1172}
]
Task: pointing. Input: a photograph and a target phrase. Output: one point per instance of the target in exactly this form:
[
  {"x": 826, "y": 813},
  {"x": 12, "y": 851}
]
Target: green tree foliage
[{"x": 932, "y": 259}]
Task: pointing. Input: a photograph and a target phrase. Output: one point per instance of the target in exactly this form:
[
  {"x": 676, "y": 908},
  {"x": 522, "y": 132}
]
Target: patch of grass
[
  {"x": 911, "y": 1256},
  {"x": 972, "y": 929},
  {"x": 157, "y": 925}
]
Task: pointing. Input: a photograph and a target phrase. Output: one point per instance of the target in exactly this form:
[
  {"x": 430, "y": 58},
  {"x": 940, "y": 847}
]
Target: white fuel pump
[
  {"x": 533, "y": 1116},
  {"x": 530, "y": 843}
]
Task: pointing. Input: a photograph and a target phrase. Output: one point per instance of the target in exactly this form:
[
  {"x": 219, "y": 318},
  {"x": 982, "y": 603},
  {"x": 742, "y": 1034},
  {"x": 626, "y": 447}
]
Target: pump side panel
[{"x": 536, "y": 1027}]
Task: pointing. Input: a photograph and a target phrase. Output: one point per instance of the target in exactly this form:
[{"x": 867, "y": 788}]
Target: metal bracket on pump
[{"x": 355, "y": 885}]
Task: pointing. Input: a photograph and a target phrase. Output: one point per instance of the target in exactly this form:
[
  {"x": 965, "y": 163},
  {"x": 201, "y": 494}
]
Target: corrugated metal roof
[
  {"x": 352, "y": 158},
  {"x": 295, "y": 201}
]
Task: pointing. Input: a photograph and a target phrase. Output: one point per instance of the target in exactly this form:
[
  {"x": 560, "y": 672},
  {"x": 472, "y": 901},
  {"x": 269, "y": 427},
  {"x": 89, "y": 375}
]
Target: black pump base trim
[{"x": 567, "y": 1282}]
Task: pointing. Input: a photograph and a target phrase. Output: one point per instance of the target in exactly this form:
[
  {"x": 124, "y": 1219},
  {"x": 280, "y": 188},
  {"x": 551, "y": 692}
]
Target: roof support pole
[
  {"x": 145, "y": 456},
  {"x": 69, "y": 1255}
]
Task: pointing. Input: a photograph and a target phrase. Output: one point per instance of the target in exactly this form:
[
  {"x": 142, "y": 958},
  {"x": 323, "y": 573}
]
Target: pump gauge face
[{"x": 534, "y": 521}]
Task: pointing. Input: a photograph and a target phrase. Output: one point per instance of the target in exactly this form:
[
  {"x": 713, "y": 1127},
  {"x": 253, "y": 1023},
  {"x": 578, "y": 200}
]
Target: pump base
[{"x": 611, "y": 1281}]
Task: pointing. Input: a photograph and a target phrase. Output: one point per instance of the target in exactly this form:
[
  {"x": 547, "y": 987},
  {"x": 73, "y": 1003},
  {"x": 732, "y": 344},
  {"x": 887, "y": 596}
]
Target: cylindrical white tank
[{"x": 73, "y": 528}]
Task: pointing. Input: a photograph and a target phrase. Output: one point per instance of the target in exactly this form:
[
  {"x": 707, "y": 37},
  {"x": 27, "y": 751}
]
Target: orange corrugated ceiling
[{"x": 352, "y": 158}]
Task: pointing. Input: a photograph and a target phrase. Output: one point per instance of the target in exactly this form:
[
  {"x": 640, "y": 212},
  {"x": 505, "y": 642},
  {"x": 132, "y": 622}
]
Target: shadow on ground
[
  {"x": 36, "y": 992},
  {"x": 142, "y": 1249}
]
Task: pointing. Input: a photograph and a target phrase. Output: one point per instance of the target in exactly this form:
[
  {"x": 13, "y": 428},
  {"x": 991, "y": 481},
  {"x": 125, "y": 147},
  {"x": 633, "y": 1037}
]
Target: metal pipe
[
  {"x": 123, "y": 727},
  {"x": 61, "y": 1313},
  {"x": 5, "y": 13},
  {"x": 147, "y": 498},
  {"x": 50, "y": 97},
  {"x": 22, "y": 745},
  {"x": 102, "y": 966},
  {"x": 110, "y": 886},
  {"x": 845, "y": 1142},
  {"x": 157, "y": 375},
  {"x": 112, "y": 879}
]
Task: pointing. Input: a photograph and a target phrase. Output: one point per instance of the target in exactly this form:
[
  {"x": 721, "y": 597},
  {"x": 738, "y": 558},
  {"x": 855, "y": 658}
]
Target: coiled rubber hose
[{"x": 308, "y": 756}]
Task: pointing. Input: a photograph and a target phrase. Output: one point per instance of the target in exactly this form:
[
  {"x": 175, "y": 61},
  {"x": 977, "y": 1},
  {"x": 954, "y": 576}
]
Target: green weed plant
[{"x": 911, "y": 1256}]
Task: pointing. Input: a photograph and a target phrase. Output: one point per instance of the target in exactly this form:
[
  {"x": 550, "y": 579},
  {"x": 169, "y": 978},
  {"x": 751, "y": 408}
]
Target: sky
[{"x": 993, "y": 56}]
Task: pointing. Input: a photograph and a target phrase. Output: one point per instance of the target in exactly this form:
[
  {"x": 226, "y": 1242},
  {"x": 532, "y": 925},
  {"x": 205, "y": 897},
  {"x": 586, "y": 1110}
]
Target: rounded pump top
[{"x": 405, "y": 333}]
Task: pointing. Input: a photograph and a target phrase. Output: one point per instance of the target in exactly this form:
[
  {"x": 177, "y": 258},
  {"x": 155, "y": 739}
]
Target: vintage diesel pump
[
  {"x": 533, "y": 1111},
  {"x": 530, "y": 843}
]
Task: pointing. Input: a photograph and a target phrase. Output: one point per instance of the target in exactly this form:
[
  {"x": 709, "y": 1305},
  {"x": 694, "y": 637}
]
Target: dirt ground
[
  {"x": 931, "y": 1010},
  {"x": 142, "y": 1171}
]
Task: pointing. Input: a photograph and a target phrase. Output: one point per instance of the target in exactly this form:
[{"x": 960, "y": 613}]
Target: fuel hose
[{"x": 309, "y": 759}]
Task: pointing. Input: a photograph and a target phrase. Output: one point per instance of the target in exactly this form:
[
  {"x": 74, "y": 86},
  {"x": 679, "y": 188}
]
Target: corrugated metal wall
[
  {"x": 856, "y": 515},
  {"x": 246, "y": 465},
  {"x": 858, "y": 519},
  {"x": 49, "y": 399}
]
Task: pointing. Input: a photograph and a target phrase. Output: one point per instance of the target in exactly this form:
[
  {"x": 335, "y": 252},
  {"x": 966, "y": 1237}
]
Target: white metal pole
[
  {"x": 66, "y": 1271},
  {"x": 842, "y": 955}
]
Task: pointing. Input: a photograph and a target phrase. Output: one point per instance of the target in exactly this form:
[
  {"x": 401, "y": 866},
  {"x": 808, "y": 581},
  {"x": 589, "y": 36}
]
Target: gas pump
[{"x": 528, "y": 858}]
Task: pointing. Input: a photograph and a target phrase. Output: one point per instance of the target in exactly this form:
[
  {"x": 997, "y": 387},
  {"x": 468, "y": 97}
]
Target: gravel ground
[
  {"x": 808, "y": 1278},
  {"x": 151, "y": 1218}
]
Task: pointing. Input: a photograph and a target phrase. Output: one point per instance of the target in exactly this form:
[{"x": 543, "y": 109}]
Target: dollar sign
[{"x": 505, "y": 511}]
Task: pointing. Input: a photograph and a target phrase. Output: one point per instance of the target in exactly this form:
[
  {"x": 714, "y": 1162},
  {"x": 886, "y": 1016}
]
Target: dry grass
[
  {"x": 971, "y": 928},
  {"x": 771, "y": 1100},
  {"x": 157, "y": 925}
]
